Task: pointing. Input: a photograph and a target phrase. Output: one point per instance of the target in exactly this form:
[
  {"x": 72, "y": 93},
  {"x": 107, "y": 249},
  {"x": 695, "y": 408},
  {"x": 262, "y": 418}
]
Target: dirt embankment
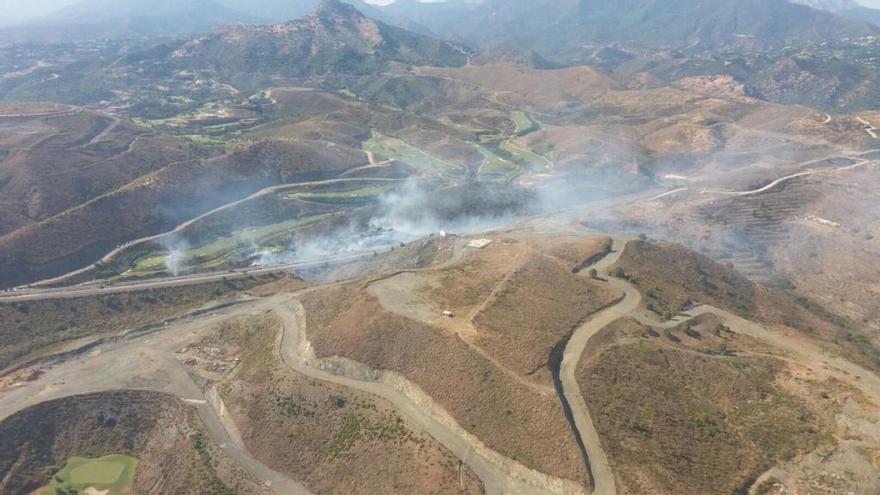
[{"x": 175, "y": 455}]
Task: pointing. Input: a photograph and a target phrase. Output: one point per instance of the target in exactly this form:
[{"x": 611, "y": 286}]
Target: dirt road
[
  {"x": 97, "y": 289},
  {"x": 860, "y": 162}
]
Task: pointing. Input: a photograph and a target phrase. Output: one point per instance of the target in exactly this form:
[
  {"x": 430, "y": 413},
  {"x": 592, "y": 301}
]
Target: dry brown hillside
[{"x": 491, "y": 374}]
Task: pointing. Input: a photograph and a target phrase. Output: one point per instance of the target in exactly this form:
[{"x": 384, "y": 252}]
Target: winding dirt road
[
  {"x": 630, "y": 306},
  {"x": 603, "y": 477},
  {"x": 860, "y": 162}
]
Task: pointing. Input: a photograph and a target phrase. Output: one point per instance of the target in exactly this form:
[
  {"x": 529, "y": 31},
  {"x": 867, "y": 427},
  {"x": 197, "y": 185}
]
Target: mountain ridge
[{"x": 335, "y": 37}]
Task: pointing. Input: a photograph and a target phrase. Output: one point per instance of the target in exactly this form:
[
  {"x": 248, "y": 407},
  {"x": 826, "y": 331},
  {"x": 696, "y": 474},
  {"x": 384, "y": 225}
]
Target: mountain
[
  {"x": 334, "y": 38},
  {"x": 829, "y": 5},
  {"x": 126, "y": 19},
  {"x": 865, "y": 14},
  {"x": 848, "y": 9},
  {"x": 563, "y": 30},
  {"x": 783, "y": 52}
]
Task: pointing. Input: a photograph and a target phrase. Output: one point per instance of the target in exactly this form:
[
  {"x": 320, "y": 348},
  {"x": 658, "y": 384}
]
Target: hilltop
[{"x": 333, "y": 38}]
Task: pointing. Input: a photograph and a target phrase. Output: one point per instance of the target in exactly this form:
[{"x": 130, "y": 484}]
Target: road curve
[
  {"x": 603, "y": 477},
  {"x": 862, "y": 162},
  {"x": 500, "y": 475}
]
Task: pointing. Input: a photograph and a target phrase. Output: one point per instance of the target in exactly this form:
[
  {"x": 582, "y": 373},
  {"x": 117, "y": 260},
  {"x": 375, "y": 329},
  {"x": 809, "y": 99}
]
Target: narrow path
[
  {"x": 865, "y": 380},
  {"x": 101, "y": 135},
  {"x": 603, "y": 477}
]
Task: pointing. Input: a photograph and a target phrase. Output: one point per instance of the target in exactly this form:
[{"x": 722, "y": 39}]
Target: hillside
[
  {"x": 172, "y": 447},
  {"x": 272, "y": 10}
]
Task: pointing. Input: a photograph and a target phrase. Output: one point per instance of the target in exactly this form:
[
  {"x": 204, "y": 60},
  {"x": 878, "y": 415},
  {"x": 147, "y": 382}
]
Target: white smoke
[{"x": 176, "y": 259}]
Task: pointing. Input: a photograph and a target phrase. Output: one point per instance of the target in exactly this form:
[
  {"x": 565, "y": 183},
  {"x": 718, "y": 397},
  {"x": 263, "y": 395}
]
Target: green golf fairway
[{"x": 114, "y": 473}]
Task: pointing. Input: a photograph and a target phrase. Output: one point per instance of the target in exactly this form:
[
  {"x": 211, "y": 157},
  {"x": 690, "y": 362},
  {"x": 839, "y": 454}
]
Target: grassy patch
[
  {"x": 291, "y": 407},
  {"x": 114, "y": 473},
  {"x": 526, "y": 158},
  {"x": 357, "y": 427},
  {"x": 395, "y": 149},
  {"x": 355, "y": 197},
  {"x": 495, "y": 165},
  {"x": 524, "y": 123},
  {"x": 217, "y": 254},
  {"x": 820, "y": 312}
]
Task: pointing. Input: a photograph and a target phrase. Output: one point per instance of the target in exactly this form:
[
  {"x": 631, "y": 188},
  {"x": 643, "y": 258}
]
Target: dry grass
[
  {"x": 675, "y": 420},
  {"x": 535, "y": 309},
  {"x": 508, "y": 416},
  {"x": 532, "y": 88},
  {"x": 523, "y": 298},
  {"x": 673, "y": 277}
]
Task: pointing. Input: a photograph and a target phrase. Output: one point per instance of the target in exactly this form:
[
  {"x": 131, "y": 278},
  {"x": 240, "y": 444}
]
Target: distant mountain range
[
  {"x": 848, "y": 9},
  {"x": 861, "y": 14},
  {"x": 829, "y": 5},
  {"x": 122, "y": 19},
  {"x": 563, "y": 30}
]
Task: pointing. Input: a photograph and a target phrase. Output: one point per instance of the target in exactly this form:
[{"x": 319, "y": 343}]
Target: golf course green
[{"x": 108, "y": 475}]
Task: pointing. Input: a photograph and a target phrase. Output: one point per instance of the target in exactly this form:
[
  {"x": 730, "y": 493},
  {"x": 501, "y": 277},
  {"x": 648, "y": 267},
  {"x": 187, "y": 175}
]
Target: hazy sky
[{"x": 15, "y": 10}]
